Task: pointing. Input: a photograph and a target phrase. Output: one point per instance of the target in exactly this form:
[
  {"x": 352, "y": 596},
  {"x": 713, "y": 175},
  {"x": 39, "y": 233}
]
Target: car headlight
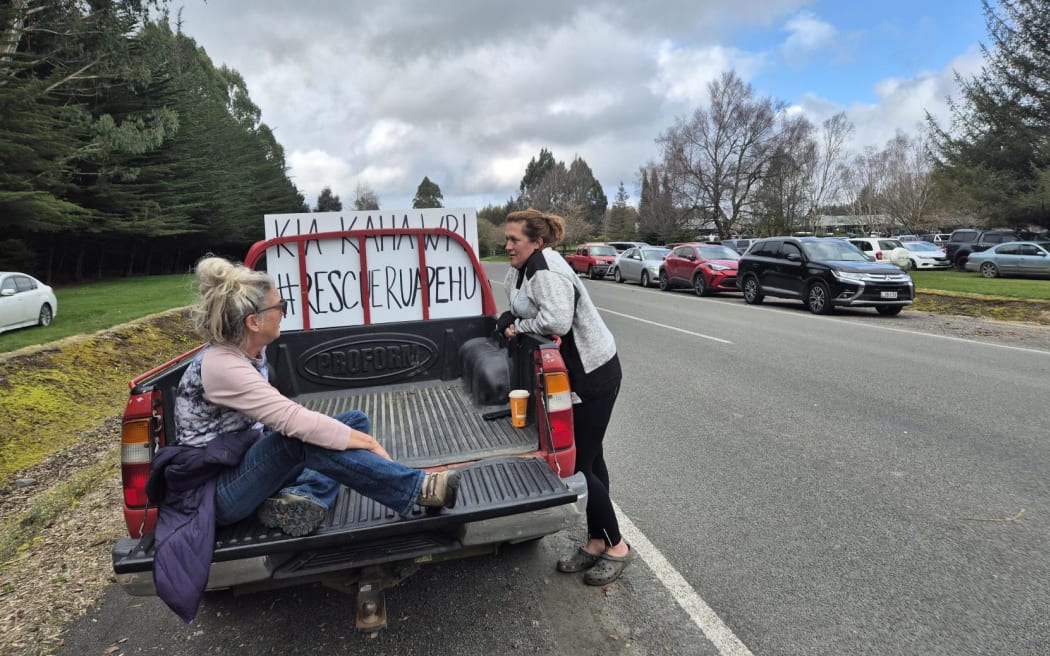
[
  {"x": 847, "y": 275},
  {"x": 719, "y": 267},
  {"x": 653, "y": 269}
]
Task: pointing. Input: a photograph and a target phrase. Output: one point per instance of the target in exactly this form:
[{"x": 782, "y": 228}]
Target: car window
[
  {"x": 24, "y": 284},
  {"x": 1028, "y": 249},
  {"x": 923, "y": 246},
  {"x": 718, "y": 253},
  {"x": 766, "y": 248},
  {"x": 1006, "y": 249},
  {"x": 603, "y": 250},
  {"x": 655, "y": 253},
  {"x": 683, "y": 251},
  {"x": 889, "y": 244},
  {"x": 788, "y": 249},
  {"x": 964, "y": 235},
  {"x": 834, "y": 249},
  {"x": 9, "y": 283},
  {"x": 862, "y": 245}
]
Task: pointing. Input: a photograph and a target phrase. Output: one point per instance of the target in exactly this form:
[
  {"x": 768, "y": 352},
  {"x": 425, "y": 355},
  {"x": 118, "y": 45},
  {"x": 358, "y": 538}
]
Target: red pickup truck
[
  {"x": 436, "y": 390},
  {"x": 595, "y": 260}
]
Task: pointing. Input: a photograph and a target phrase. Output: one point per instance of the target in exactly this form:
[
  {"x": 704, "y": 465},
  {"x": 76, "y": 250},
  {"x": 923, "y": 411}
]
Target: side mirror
[
  {"x": 794, "y": 257},
  {"x": 7, "y": 292}
]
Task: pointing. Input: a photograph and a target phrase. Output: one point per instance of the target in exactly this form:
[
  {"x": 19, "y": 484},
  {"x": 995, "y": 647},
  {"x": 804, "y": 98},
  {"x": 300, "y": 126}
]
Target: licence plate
[{"x": 888, "y": 294}]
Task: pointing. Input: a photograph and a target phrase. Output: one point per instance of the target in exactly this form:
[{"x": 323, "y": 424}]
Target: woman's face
[
  {"x": 268, "y": 319},
  {"x": 519, "y": 247}
]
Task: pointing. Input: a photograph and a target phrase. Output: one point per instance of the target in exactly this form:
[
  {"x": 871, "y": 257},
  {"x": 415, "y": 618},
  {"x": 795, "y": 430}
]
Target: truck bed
[
  {"x": 430, "y": 423},
  {"x": 421, "y": 424}
]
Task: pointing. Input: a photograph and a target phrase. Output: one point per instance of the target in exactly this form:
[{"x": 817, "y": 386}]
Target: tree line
[{"x": 123, "y": 150}]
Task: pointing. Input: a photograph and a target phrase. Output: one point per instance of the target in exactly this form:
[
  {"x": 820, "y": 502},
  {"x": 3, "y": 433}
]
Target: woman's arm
[{"x": 555, "y": 297}]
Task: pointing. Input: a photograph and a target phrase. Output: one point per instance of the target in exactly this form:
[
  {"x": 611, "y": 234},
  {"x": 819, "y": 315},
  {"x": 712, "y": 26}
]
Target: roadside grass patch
[
  {"x": 89, "y": 307},
  {"x": 51, "y": 393},
  {"x": 971, "y": 282}
]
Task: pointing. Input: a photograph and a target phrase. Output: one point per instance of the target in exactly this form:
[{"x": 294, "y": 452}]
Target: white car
[
  {"x": 883, "y": 249},
  {"x": 924, "y": 255},
  {"x": 640, "y": 265},
  {"x": 25, "y": 301}
]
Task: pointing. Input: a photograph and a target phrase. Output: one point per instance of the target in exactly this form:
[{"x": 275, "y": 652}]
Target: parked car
[
  {"x": 924, "y": 255},
  {"x": 707, "y": 268},
  {"x": 1025, "y": 259},
  {"x": 25, "y": 301},
  {"x": 640, "y": 265},
  {"x": 822, "y": 273},
  {"x": 622, "y": 246},
  {"x": 938, "y": 238},
  {"x": 965, "y": 241},
  {"x": 883, "y": 249},
  {"x": 738, "y": 245},
  {"x": 593, "y": 259}
]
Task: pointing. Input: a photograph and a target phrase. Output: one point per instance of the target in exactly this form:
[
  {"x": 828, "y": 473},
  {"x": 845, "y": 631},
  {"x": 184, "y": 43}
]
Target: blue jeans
[
  {"x": 276, "y": 461},
  {"x": 315, "y": 485}
]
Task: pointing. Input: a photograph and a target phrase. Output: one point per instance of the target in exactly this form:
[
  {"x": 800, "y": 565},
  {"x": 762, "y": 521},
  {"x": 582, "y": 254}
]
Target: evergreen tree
[
  {"x": 428, "y": 194},
  {"x": 328, "y": 202}
]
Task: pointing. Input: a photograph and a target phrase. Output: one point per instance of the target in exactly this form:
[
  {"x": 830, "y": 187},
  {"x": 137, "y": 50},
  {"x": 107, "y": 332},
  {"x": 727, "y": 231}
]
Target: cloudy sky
[{"x": 467, "y": 91}]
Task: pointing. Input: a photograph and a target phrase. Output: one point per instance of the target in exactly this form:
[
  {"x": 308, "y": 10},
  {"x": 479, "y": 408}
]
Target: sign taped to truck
[{"x": 371, "y": 276}]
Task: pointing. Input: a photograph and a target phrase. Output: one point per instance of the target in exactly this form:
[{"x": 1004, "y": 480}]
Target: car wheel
[
  {"x": 617, "y": 276},
  {"x": 911, "y": 265},
  {"x": 700, "y": 285},
  {"x": 645, "y": 278},
  {"x": 989, "y": 270},
  {"x": 665, "y": 282},
  {"x": 818, "y": 299},
  {"x": 889, "y": 310},
  {"x": 960, "y": 262},
  {"x": 752, "y": 295},
  {"x": 45, "y": 315}
]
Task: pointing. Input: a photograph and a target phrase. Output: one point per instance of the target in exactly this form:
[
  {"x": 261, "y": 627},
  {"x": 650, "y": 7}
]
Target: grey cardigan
[{"x": 543, "y": 296}]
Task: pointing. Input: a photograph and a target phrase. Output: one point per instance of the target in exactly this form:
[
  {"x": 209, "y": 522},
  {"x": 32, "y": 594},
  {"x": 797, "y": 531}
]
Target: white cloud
[
  {"x": 683, "y": 74},
  {"x": 807, "y": 34}
]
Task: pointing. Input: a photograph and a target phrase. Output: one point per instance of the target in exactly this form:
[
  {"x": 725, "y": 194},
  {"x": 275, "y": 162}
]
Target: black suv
[
  {"x": 823, "y": 273},
  {"x": 963, "y": 242}
]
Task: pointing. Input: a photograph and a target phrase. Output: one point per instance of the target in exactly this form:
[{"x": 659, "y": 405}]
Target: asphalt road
[{"x": 852, "y": 484}]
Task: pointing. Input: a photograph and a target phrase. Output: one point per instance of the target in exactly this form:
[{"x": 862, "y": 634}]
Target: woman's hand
[{"x": 359, "y": 440}]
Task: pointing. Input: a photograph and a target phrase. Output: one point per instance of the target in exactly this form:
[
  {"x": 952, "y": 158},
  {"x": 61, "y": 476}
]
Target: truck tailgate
[{"x": 495, "y": 487}]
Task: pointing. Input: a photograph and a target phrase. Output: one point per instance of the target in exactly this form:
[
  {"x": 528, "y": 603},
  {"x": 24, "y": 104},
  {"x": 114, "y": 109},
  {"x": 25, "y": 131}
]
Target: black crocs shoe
[
  {"x": 295, "y": 515},
  {"x": 608, "y": 569}
]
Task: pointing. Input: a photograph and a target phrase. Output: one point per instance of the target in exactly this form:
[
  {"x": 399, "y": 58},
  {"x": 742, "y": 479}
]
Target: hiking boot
[
  {"x": 295, "y": 515},
  {"x": 439, "y": 490}
]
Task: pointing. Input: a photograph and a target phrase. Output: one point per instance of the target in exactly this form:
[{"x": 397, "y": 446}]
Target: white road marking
[
  {"x": 653, "y": 323},
  {"x": 664, "y": 325},
  {"x": 720, "y": 635}
]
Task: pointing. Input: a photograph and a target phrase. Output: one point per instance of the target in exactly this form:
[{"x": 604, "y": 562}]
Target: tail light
[
  {"x": 136, "y": 448},
  {"x": 878, "y": 255},
  {"x": 559, "y": 409}
]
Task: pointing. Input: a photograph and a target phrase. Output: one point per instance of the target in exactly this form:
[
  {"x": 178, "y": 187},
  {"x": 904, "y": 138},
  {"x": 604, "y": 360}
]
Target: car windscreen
[
  {"x": 655, "y": 253},
  {"x": 718, "y": 253},
  {"x": 921, "y": 246},
  {"x": 833, "y": 249},
  {"x": 603, "y": 250}
]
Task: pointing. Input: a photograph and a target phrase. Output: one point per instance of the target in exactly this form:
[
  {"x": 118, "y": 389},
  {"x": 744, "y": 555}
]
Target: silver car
[
  {"x": 640, "y": 265},
  {"x": 25, "y": 301},
  {"x": 1025, "y": 259}
]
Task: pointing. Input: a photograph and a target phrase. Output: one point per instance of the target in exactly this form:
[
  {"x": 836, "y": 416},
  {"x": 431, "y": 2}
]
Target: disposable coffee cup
[{"x": 519, "y": 406}]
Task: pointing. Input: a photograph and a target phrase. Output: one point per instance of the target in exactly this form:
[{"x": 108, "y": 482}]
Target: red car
[
  {"x": 595, "y": 260},
  {"x": 707, "y": 268}
]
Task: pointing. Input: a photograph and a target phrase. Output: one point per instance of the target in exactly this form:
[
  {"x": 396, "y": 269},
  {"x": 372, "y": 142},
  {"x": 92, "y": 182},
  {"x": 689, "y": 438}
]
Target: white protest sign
[{"x": 393, "y": 286}]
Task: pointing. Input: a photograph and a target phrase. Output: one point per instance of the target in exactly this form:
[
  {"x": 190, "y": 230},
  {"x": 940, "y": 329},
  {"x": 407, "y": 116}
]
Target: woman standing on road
[
  {"x": 239, "y": 441},
  {"x": 547, "y": 298}
]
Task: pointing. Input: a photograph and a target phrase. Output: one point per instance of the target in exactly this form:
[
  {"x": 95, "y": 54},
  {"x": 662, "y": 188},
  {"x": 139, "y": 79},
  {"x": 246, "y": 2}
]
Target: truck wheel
[
  {"x": 818, "y": 299},
  {"x": 645, "y": 278},
  {"x": 592, "y": 275},
  {"x": 989, "y": 270},
  {"x": 960, "y": 261},
  {"x": 665, "y": 282},
  {"x": 752, "y": 296},
  {"x": 617, "y": 276}
]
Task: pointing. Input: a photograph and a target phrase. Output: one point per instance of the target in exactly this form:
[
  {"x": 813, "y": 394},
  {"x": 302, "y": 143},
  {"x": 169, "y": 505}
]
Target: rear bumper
[{"x": 280, "y": 568}]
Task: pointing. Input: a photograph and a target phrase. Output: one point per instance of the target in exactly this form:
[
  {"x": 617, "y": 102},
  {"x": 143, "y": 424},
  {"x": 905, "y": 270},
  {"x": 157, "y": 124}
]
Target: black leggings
[{"x": 589, "y": 421}]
